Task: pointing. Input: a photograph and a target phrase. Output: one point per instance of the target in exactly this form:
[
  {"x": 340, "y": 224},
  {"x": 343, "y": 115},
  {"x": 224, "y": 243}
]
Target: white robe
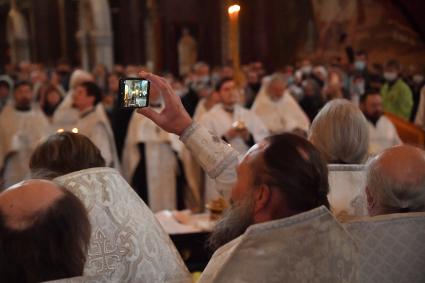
[
  {"x": 382, "y": 136},
  {"x": 305, "y": 247},
  {"x": 214, "y": 155},
  {"x": 127, "y": 243},
  {"x": 20, "y": 133},
  {"x": 280, "y": 116},
  {"x": 247, "y": 258},
  {"x": 161, "y": 161},
  {"x": 193, "y": 172},
  {"x": 347, "y": 183},
  {"x": 96, "y": 127},
  {"x": 200, "y": 110},
  {"x": 65, "y": 116},
  {"x": 218, "y": 122}
]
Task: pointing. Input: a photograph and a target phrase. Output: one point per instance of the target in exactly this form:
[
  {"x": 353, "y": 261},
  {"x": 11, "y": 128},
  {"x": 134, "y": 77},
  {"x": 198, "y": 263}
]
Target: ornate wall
[{"x": 275, "y": 32}]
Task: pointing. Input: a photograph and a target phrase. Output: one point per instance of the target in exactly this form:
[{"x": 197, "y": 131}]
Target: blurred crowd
[{"x": 64, "y": 98}]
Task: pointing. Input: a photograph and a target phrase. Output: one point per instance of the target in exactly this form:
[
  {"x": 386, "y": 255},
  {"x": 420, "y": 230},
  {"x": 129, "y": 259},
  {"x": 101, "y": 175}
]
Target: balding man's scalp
[
  {"x": 21, "y": 205},
  {"x": 44, "y": 233},
  {"x": 396, "y": 181}
]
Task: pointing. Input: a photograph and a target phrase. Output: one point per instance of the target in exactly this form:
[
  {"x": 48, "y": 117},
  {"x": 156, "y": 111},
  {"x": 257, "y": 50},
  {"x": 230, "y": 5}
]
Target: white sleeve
[
  {"x": 301, "y": 119},
  {"x": 396, "y": 138},
  {"x": 215, "y": 156},
  {"x": 260, "y": 131},
  {"x": 100, "y": 138}
]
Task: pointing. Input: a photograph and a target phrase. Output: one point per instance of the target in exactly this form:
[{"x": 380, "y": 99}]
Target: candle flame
[
  {"x": 234, "y": 9},
  {"x": 60, "y": 130},
  {"x": 74, "y": 130}
]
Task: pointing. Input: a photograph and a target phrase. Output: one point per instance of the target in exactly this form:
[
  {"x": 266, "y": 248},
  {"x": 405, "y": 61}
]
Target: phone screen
[{"x": 134, "y": 93}]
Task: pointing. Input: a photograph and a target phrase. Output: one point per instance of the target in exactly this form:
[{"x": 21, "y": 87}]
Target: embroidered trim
[
  {"x": 188, "y": 132},
  {"x": 229, "y": 156}
]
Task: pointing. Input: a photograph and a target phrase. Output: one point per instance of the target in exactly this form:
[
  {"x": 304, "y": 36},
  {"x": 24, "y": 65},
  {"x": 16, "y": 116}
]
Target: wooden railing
[{"x": 408, "y": 132}]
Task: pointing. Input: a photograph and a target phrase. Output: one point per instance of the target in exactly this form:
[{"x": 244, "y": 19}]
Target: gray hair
[
  {"x": 341, "y": 133},
  {"x": 279, "y": 78},
  {"x": 393, "y": 194},
  {"x": 79, "y": 76}
]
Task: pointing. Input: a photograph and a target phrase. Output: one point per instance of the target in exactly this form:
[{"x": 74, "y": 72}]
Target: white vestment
[
  {"x": 214, "y": 155},
  {"x": 347, "y": 183},
  {"x": 200, "y": 110},
  {"x": 65, "y": 116},
  {"x": 382, "y": 136},
  {"x": 307, "y": 247},
  {"x": 391, "y": 247},
  {"x": 127, "y": 243},
  {"x": 193, "y": 172},
  {"x": 160, "y": 160},
  {"x": 280, "y": 116},
  {"x": 95, "y": 125},
  {"x": 20, "y": 133},
  {"x": 218, "y": 122}
]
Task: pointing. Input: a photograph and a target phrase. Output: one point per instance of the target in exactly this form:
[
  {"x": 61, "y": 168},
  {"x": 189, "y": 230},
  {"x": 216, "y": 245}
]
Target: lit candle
[
  {"x": 233, "y": 12},
  {"x": 74, "y": 130}
]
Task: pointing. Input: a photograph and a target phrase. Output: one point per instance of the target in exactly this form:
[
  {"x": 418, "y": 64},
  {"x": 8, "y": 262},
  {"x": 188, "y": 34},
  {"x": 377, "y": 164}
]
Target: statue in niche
[{"x": 188, "y": 52}]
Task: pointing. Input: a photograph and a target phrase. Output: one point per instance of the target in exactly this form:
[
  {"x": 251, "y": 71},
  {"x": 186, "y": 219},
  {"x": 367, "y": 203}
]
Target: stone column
[
  {"x": 17, "y": 36},
  {"x": 82, "y": 38},
  {"x": 103, "y": 48},
  {"x": 95, "y": 34}
]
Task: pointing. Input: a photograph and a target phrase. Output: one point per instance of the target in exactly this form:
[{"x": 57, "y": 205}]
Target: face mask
[
  {"x": 306, "y": 70},
  {"x": 290, "y": 80},
  {"x": 359, "y": 65},
  {"x": 418, "y": 78},
  {"x": 390, "y": 76}
]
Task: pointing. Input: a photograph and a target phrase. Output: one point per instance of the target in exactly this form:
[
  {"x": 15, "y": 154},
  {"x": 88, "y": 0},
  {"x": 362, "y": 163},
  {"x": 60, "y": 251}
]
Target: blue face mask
[
  {"x": 359, "y": 65},
  {"x": 290, "y": 80}
]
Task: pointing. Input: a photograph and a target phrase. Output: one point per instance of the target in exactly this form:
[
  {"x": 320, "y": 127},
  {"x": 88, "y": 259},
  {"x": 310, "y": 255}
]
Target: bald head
[
  {"x": 396, "y": 181},
  {"x": 21, "y": 203},
  {"x": 44, "y": 233}
]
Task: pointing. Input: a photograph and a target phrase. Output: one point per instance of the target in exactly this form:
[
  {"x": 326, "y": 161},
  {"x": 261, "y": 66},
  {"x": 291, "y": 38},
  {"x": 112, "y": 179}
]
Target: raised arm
[{"x": 216, "y": 157}]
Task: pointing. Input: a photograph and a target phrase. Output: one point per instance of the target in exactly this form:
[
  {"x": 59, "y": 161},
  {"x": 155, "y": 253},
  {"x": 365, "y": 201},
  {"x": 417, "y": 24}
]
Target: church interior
[{"x": 212, "y": 141}]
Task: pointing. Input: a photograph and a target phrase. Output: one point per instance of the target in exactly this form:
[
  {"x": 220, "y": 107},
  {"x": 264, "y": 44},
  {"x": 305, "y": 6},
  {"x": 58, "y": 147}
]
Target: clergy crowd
[{"x": 299, "y": 155}]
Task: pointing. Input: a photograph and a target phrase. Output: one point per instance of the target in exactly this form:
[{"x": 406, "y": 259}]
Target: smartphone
[{"x": 134, "y": 93}]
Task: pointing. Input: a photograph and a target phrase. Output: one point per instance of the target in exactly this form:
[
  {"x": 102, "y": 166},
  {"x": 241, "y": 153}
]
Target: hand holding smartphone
[{"x": 134, "y": 92}]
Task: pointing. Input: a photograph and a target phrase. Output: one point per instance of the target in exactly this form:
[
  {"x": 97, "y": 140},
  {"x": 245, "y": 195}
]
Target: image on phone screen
[{"x": 134, "y": 93}]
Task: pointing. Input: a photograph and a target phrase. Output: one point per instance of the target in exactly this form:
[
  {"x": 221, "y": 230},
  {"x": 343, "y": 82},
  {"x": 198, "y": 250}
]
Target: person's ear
[{"x": 262, "y": 197}]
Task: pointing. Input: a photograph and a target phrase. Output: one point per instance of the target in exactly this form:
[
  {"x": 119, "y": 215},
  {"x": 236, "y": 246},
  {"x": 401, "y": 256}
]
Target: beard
[
  {"x": 374, "y": 117},
  {"x": 237, "y": 218},
  {"x": 23, "y": 105}
]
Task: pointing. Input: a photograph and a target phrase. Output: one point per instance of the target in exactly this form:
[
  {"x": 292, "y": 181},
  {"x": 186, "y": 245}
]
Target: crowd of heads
[{"x": 267, "y": 187}]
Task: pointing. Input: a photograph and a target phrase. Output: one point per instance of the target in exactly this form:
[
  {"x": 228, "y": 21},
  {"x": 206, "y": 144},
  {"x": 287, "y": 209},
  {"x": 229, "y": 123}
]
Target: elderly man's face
[
  {"x": 276, "y": 89},
  {"x": 240, "y": 215}
]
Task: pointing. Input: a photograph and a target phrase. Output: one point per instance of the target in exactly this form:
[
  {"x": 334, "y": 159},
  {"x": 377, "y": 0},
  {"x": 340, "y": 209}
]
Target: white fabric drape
[
  {"x": 127, "y": 242},
  {"x": 160, "y": 159}
]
